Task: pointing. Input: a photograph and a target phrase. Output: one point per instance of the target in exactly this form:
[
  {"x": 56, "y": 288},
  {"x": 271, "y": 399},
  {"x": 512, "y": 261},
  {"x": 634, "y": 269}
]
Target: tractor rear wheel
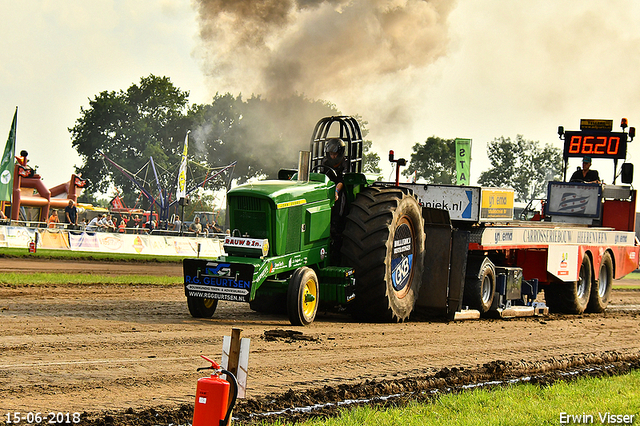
[
  {"x": 570, "y": 297},
  {"x": 384, "y": 241},
  {"x": 601, "y": 289},
  {"x": 302, "y": 296},
  {"x": 201, "y": 308}
]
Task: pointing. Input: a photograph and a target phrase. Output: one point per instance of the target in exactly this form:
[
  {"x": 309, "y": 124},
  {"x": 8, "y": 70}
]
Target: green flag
[
  {"x": 463, "y": 161},
  {"x": 8, "y": 162}
]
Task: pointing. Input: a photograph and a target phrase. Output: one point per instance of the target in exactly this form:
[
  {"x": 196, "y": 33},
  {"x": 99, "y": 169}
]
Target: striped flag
[
  {"x": 572, "y": 203},
  {"x": 181, "y": 191},
  {"x": 8, "y": 162}
]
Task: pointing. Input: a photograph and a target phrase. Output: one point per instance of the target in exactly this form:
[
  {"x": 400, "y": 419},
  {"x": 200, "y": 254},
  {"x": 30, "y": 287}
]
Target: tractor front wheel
[
  {"x": 201, "y": 308},
  {"x": 302, "y": 296}
]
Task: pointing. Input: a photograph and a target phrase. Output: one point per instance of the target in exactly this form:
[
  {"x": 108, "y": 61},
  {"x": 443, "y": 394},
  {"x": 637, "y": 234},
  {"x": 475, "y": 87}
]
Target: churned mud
[{"x": 127, "y": 355}]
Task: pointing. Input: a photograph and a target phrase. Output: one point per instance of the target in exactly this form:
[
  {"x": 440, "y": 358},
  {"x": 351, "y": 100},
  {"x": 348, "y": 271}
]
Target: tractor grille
[
  {"x": 249, "y": 203},
  {"x": 250, "y": 216},
  {"x": 295, "y": 225}
]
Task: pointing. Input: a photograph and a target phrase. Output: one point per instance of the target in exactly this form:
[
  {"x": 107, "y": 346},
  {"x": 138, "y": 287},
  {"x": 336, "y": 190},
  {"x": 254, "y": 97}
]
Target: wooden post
[
  {"x": 234, "y": 351},
  {"x": 234, "y": 355}
]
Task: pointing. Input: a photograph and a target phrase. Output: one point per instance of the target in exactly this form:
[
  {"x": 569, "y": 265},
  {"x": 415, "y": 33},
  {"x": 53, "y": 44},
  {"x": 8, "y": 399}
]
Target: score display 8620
[{"x": 595, "y": 144}]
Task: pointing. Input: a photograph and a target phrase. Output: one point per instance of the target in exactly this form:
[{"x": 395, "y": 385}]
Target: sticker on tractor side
[{"x": 402, "y": 257}]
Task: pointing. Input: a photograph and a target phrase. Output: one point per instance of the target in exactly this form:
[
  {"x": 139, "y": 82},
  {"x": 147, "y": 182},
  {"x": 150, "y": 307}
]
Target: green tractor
[{"x": 290, "y": 251}]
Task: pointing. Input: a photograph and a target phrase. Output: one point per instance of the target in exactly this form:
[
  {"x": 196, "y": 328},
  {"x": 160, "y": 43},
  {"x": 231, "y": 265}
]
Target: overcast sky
[{"x": 477, "y": 69}]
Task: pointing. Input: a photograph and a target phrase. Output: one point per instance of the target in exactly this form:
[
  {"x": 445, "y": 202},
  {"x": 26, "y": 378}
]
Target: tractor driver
[{"x": 335, "y": 160}]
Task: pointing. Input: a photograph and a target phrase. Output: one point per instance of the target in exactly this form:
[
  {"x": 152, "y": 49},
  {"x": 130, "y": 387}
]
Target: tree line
[
  {"x": 152, "y": 117},
  {"x": 521, "y": 164}
]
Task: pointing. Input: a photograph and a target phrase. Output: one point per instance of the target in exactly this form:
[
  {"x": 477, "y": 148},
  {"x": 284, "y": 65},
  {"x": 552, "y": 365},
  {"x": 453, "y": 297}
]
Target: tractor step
[{"x": 335, "y": 272}]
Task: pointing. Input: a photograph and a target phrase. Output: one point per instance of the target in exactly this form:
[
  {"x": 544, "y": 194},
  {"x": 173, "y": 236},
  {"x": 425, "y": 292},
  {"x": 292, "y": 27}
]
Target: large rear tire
[
  {"x": 571, "y": 297},
  {"x": 601, "y": 289},
  {"x": 201, "y": 308},
  {"x": 302, "y": 296},
  {"x": 384, "y": 241}
]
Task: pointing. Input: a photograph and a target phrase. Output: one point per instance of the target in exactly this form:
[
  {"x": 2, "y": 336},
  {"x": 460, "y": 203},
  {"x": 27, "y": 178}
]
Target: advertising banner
[
  {"x": 462, "y": 202},
  {"x": 107, "y": 242},
  {"x": 53, "y": 239},
  {"x": 496, "y": 204},
  {"x": 463, "y": 161}
]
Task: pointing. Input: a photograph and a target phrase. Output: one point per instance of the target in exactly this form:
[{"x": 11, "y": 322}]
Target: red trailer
[{"x": 480, "y": 260}]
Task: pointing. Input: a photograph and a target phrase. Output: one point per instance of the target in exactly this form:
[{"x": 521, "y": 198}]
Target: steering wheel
[{"x": 326, "y": 170}]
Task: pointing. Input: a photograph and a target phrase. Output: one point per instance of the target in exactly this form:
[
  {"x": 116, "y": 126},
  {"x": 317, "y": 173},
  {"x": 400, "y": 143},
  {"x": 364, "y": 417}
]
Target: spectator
[
  {"x": 107, "y": 224},
  {"x": 122, "y": 227},
  {"x": 53, "y": 220},
  {"x": 136, "y": 223},
  {"x": 71, "y": 214},
  {"x": 196, "y": 227},
  {"x": 177, "y": 224},
  {"x": 93, "y": 225},
  {"x": 149, "y": 226}
]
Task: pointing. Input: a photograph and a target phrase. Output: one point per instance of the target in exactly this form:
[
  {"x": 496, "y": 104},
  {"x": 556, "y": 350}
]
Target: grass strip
[
  {"x": 85, "y": 255},
  {"x": 633, "y": 276},
  {"x": 626, "y": 287},
  {"x": 594, "y": 399},
  {"x": 47, "y": 278}
]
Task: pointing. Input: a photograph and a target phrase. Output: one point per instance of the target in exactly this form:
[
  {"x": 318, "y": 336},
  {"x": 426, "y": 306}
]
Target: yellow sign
[
  {"x": 596, "y": 124},
  {"x": 291, "y": 204},
  {"x": 496, "y": 204}
]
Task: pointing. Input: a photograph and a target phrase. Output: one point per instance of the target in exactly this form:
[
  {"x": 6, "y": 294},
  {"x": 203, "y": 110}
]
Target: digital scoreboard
[
  {"x": 595, "y": 144},
  {"x": 596, "y": 139}
]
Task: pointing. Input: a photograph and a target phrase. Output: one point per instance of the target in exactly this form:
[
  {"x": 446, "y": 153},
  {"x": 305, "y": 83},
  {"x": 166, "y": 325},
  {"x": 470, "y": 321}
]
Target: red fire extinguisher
[
  {"x": 212, "y": 397},
  {"x": 33, "y": 244}
]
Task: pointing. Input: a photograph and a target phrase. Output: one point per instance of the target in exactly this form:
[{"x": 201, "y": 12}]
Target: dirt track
[{"x": 97, "y": 349}]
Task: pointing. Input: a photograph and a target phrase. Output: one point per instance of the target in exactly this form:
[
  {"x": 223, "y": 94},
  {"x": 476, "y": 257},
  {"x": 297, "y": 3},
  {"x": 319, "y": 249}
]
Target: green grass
[
  {"x": 84, "y": 255},
  {"x": 626, "y": 287},
  {"x": 46, "y": 278},
  {"x": 520, "y": 405},
  {"x": 633, "y": 276}
]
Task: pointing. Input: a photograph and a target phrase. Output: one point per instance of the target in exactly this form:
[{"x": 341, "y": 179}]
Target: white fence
[{"x": 106, "y": 242}]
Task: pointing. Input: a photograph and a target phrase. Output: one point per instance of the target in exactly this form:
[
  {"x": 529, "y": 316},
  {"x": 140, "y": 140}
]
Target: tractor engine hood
[{"x": 287, "y": 193}]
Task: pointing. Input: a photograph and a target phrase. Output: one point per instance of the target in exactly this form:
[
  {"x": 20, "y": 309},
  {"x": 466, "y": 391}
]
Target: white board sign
[
  {"x": 462, "y": 202},
  {"x": 562, "y": 262}
]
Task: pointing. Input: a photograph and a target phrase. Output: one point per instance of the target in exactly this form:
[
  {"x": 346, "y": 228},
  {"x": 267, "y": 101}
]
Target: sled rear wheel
[
  {"x": 601, "y": 289},
  {"x": 479, "y": 289},
  {"x": 570, "y": 297}
]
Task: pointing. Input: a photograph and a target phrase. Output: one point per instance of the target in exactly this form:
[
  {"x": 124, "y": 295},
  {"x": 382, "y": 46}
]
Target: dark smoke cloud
[{"x": 320, "y": 48}]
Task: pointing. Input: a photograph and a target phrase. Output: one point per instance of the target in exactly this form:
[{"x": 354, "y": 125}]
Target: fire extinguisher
[
  {"x": 33, "y": 244},
  {"x": 212, "y": 397}
]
